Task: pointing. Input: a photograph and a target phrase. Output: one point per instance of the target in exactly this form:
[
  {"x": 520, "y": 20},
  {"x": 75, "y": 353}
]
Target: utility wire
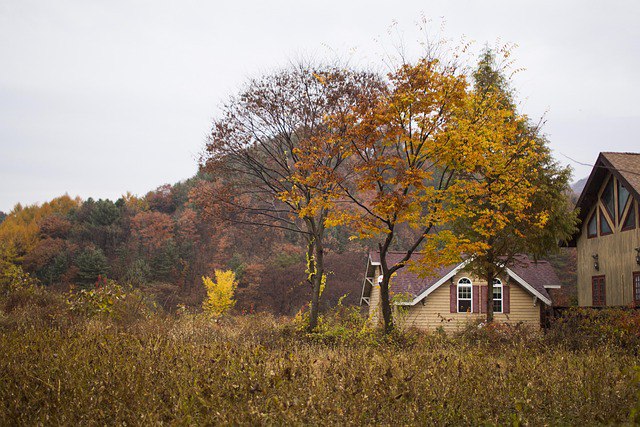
[{"x": 602, "y": 166}]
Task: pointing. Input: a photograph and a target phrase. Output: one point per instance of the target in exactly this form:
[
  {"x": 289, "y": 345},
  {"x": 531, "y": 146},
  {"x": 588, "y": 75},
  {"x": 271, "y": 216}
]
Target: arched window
[
  {"x": 464, "y": 295},
  {"x": 497, "y": 296}
]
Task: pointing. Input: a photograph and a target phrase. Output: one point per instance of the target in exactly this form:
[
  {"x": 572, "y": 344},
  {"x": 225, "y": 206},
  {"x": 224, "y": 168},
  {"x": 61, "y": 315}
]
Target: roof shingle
[{"x": 627, "y": 165}]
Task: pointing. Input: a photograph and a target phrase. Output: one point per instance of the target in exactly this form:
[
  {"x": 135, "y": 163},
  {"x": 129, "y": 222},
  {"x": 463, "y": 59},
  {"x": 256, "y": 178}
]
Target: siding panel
[
  {"x": 435, "y": 312},
  {"x": 616, "y": 258}
]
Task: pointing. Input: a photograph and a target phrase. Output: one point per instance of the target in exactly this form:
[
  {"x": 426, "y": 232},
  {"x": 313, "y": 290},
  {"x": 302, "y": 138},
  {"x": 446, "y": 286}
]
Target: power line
[{"x": 602, "y": 166}]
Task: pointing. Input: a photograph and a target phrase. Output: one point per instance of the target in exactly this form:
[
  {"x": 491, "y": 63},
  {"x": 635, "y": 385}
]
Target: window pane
[
  {"x": 497, "y": 306},
  {"x": 497, "y": 292},
  {"x": 464, "y": 292},
  {"x": 605, "y": 228},
  {"x": 623, "y": 196},
  {"x": 630, "y": 222},
  {"x": 464, "y": 305},
  {"x": 593, "y": 226},
  {"x": 607, "y": 197}
]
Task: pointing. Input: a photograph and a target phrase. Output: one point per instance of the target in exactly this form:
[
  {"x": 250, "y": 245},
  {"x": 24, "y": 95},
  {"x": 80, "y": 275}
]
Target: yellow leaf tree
[
  {"x": 20, "y": 229},
  {"x": 220, "y": 293},
  {"x": 510, "y": 197}
]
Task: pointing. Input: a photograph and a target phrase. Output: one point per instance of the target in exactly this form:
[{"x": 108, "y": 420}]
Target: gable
[{"x": 613, "y": 175}]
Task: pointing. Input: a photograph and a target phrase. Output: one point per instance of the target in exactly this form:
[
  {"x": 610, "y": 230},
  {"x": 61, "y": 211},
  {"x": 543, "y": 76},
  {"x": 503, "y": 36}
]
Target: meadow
[{"x": 109, "y": 357}]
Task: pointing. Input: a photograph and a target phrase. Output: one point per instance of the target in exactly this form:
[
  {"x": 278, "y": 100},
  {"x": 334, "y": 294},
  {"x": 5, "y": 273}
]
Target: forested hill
[{"x": 165, "y": 242}]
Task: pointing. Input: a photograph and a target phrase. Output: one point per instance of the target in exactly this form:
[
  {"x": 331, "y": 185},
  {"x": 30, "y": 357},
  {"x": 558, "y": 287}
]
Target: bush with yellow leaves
[{"x": 219, "y": 298}]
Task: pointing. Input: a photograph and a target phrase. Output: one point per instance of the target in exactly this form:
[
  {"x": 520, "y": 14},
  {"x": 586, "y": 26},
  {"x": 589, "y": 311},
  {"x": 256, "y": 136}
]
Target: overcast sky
[{"x": 101, "y": 98}]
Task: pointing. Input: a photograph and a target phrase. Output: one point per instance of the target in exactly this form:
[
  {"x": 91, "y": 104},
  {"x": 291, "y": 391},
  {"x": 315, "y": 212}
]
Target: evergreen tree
[
  {"x": 91, "y": 263},
  {"x": 166, "y": 263}
]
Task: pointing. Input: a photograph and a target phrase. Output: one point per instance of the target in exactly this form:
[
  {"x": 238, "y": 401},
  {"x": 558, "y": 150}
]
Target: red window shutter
[
  {"x": 483, "y": 299},
  {"x": 506, "y": 299},
  {"x": 475, "y": 300},
  {"x": 453, "y": 298}
]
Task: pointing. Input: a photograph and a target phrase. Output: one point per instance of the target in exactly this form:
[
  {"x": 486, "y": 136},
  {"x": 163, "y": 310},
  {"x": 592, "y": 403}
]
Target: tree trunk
[
  {"x": 489, "y": 308},
  {"x": 317, "y": 277},
  {"x": 385, "y": 303}
]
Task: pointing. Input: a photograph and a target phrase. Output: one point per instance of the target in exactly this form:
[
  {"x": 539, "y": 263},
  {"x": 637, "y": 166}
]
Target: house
[
  {"x": 450, "y": 297},
  {"x": 608, "y": 242}
]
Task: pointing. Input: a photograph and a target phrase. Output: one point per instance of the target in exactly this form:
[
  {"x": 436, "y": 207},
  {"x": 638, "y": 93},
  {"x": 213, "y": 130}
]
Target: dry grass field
[{"x": 129, "y": 364}]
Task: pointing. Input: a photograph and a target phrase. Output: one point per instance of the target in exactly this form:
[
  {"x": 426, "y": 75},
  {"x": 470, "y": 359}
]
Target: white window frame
[
  {"x": 497, "y": 283},
  {"x": 458, "y": 299}
]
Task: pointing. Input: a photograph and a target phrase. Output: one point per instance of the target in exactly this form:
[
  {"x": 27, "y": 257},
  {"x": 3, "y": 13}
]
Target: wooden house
[
  {"x": 608, "y": 242},
  {"x": 451, "y": 297}
]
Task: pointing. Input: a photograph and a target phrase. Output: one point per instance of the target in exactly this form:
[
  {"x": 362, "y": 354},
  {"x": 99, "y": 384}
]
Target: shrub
[
  {"x": 219, "y": 293},
  {"x": 27, "y": 301},
  {"x": 110, "y": 300},
  {"x": 582, "y": 327},
  {"x": 498, "y": 333},
  {"x": 12, "y": 278}
]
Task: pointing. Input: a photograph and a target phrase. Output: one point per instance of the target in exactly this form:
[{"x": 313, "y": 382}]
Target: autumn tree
[
  {"x": 396, "y": 182},
  {"x": 21, "y": 228},
  {"x": 54, "y": 226},
  {"x": 259, "y": 140},
  {"x": 151, "y": 230},
  {"x": 510, "y": 196},
  {"x": 219, "y": 298},
  {"x": 162, "y": 199},
  {"x": 49, "y": 259}
]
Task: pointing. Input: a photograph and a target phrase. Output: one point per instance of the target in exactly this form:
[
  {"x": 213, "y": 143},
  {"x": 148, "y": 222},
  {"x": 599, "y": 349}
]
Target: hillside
[{"x": 164, "y": 242}]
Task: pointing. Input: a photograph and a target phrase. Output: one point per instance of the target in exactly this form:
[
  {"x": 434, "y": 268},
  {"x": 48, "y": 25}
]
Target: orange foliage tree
[
  {"x": 152, "y": 229},
  {"x": 396, "y": 181},
  {"x": 259, "y": 141}
]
